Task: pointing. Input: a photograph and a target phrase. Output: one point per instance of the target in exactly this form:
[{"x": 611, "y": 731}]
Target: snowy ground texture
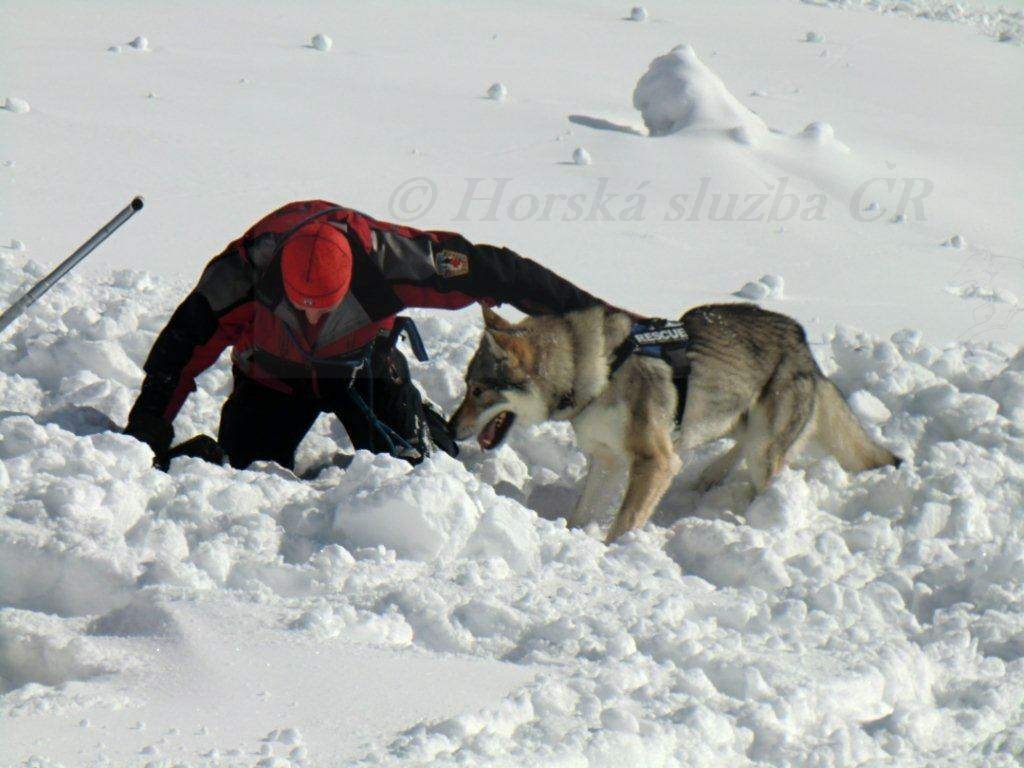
[
  {"x": 444, "y": 615},
  {"x": 842, "y": 620}
]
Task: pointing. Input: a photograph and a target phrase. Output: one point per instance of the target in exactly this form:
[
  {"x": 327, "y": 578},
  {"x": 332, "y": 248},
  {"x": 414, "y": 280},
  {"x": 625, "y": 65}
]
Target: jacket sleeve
[
  {"x": 212, "y": 317},
  {"x": 444, "y": 270}
]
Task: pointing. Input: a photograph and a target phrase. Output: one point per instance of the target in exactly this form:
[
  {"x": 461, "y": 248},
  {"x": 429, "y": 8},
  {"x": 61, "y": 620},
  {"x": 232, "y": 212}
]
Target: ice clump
[
  {"x": 497, "y": 92},
  {"x": 638, "y": 13},
  {"x": 321, "y": 42},
  {"x": 768, "y": 287},
  {"x": 581, "y": 157},
  {"x": 16, "y": 105},
  {"x": 680, "y": 92}
]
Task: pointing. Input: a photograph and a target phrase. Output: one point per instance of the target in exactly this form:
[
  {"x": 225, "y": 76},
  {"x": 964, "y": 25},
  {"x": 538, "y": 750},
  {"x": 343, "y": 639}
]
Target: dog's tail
[{"x": 837, "y": 430}]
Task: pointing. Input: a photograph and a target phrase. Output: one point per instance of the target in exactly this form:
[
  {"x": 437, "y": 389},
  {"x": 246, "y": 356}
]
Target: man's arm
[
  {"x": 212, "y": 317},
  {"x": 441, "y": 269}
]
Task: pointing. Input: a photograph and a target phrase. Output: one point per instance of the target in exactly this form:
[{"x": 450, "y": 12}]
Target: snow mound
[
  {"x": 835, "y": 619},
  {"x": 1003, "y": 22},
  {"x": 679, "y": 92},
  {"x": 768, "y": 287},
  {"x": 16, "y": 105},
  {"x": 638, "y": 13}
]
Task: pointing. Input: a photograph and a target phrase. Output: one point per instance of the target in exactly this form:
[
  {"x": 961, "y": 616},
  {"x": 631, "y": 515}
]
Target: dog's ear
[
  {"x": 511, "y": 348},
  {"x": 493, "y": 321}
]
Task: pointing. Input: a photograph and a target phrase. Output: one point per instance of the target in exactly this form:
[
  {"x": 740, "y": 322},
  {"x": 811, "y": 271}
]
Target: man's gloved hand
[{"x": 154, "y": 432}]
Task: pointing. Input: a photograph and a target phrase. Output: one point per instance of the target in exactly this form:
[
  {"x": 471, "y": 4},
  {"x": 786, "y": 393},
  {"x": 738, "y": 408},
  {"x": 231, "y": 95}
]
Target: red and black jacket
[{"x": 240, "y": 302}]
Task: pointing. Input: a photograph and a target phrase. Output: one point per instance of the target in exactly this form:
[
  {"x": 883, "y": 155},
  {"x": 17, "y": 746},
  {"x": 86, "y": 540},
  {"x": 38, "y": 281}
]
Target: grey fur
[{"x": 752, "y": 378}]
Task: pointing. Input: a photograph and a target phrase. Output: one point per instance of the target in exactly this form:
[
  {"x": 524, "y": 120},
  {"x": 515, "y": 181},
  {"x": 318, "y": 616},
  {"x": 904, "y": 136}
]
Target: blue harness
[{"x": 662, "y": 339}]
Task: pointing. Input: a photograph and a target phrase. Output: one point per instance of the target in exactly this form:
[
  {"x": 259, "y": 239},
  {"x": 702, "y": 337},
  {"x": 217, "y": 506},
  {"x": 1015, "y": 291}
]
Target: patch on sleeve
[{"x": 451, "y": 263}]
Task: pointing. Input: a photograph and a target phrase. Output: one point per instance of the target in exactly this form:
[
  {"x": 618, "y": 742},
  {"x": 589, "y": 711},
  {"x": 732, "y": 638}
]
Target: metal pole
[{"x": 37, "y": 290}]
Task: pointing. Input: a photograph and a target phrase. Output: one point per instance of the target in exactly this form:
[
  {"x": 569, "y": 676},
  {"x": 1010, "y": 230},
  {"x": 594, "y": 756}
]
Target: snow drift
[
  {"x": 679, "y": 92},
  {"x": 836, "y": 620}
]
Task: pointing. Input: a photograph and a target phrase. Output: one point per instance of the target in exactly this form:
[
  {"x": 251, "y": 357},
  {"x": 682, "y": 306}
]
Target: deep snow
[
  {"x": 381, "y": 614},
  {"x": 836, "y": 620}
]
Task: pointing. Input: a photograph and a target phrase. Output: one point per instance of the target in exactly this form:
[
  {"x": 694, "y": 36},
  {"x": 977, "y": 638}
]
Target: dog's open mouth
[{"x": 492, "y": 434}]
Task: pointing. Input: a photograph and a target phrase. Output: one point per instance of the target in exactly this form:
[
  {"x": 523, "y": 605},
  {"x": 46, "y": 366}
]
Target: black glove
[{"x": 154, "y": 432}]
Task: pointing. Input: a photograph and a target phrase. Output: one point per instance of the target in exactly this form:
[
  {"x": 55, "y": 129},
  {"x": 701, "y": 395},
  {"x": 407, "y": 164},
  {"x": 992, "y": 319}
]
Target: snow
[
  {"x": 444, "y": 615},
  {"x": 321, "y": 42},
  {"x": 767, "y": 287},
  {"x": 638, "y": 13},
  {"x": 16, "y": 105},
  {"x": 679, "y": 91},
  {"x": 720, "y": 634},
  {"x": 497, "y": 92},
  {"x": 580, "y": 156}
]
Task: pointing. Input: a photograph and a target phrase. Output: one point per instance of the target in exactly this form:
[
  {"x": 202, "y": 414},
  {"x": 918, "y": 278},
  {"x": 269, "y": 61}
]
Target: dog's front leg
[
  {"x": 649, "y": 479},
  {"x": 603, "y": 472}
]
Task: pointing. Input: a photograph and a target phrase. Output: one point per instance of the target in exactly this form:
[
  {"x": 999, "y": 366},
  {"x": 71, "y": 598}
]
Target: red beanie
[{"x": 316, "y": 264}]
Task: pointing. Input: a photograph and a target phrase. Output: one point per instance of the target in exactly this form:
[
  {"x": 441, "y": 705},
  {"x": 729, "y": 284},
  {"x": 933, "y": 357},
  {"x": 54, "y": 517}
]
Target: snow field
[
  {"x": 443, "y": 614},
  {"x": 835, "y": 620}
]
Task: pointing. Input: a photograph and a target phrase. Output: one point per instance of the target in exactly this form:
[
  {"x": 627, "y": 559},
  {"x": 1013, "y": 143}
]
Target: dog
[{"x": 747, "y": 374}]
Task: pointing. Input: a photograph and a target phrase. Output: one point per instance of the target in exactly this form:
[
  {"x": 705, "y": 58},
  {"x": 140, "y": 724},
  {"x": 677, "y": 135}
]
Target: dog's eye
[{"x": 478, "y": 391}]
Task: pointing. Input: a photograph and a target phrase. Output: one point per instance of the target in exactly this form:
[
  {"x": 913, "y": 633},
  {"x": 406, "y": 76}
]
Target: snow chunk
[
  {"x": 678, "y": 92},
  {"x": 619, "y": 719},
  {"x": 433, "y": 512},
  {"x": 814, "y": 37},
  {"x": 823, "y": 135},
  {"x": 16, "y": 105},
  {"x": 868, "y": 407},
  {"x": 753, "y": 291},
  {"x": 638, "y": 13},
  {"x": 497, "y": 92},
  {"x": 321, "y": 42},
  {"x": 768, "y": 287},
  {"x": 955, "y": 241},
  {"x": 17, "y": 245},
  {"x": 140, "y": 43},
  {"x": 581, "y": 156}
]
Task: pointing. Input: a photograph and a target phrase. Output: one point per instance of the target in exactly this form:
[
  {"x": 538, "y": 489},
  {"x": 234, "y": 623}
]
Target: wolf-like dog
[{"x": 749, "y": 375}]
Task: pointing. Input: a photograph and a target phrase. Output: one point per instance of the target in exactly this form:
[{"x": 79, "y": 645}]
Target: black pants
[{"x": 258, "y": 422}]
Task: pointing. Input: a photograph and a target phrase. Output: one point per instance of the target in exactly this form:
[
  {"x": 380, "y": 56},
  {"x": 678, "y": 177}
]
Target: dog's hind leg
[
  {"x": 775, "y": 423},
  {"x": 649, "y": 478},
  {"x": 603, "y": 473},
  {"x": 715, "y": 472}
]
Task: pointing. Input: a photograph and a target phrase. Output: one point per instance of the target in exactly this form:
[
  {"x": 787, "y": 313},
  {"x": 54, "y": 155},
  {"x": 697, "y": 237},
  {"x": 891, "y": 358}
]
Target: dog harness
[{"x": 664, "y": 340}]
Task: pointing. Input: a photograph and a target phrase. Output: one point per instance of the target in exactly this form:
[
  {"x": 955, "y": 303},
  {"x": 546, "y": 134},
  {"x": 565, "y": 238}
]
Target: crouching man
[{"x": 308, "y": 299}]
